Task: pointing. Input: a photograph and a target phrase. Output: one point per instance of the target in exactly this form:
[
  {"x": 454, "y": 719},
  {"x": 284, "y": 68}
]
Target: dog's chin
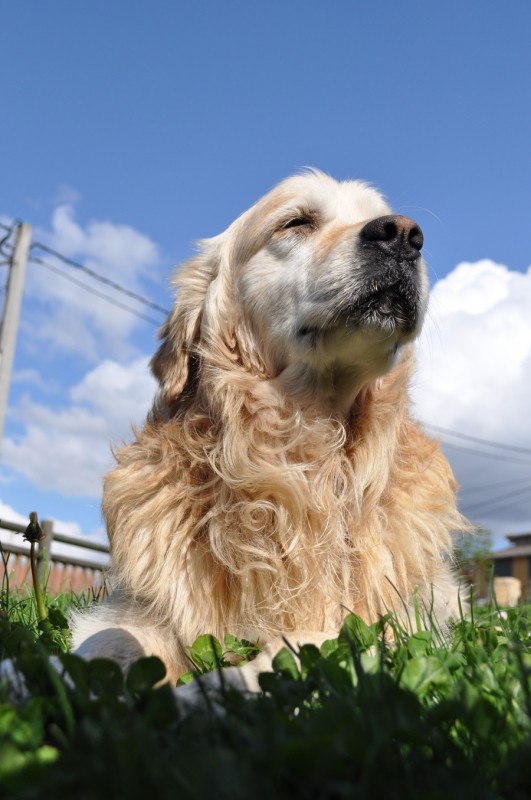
[
  {"x": 392, "y": 308},
  {"x": 399, "y": 318},
  {"x": 398, "y": 323}
]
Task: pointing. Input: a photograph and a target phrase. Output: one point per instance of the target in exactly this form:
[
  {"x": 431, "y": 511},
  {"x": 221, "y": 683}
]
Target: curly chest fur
[{"x": 271, "y": 521}]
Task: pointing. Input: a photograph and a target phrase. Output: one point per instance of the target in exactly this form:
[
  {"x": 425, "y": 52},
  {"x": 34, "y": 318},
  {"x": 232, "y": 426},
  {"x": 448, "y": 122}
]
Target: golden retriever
[{"x": 280, "y": 479}]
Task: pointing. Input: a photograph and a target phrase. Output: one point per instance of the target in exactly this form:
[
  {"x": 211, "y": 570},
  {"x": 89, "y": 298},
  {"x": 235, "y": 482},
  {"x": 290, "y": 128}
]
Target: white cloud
[
  {"x": 66, "y": 195},
  {"x": 122, "y": 250},
  {"x": 29, "y": 376},
  {"x": 68, "y": 449},
  {"x": 474, "y": 377},
  {"x": 68, "y": 318},
  {"x": 122, "y": 394},
  {"x": 59, "y": 435},
  {"x": 9, "y": 514}
]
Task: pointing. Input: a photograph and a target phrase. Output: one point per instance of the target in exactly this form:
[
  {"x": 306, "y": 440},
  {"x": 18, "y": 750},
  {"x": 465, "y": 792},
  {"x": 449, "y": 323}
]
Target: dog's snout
[{"x": 394, "y": 235}]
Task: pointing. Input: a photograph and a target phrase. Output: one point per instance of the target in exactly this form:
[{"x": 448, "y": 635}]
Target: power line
[
  {"x": 483, "y": 454},
  {"x": 95, "y": 276},
  {"x": 17, "y": 258},
  {"x": 488, "y": 487},
  {"x": 6, "y": 249},
  {"x": 95, "y": 292},
  {"x": 495, "y": 500},
  {"x": 477, "y": 440},
  {"x": 101, "y": 278}
]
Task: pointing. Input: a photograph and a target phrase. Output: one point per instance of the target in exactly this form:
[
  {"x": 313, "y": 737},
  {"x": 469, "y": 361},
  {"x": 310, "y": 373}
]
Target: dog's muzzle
[{"x": 387, "y": 293}]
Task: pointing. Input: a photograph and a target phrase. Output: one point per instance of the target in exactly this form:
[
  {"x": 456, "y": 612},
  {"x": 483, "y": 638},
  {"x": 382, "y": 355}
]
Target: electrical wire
[
  {"x": 482, "y": 454},
  {"x": 101, "y": 278},
  {"x": 486, "y": 503},
  {"x": 477, "y": 440},
  {"x": 5, "y": 248},
  {"x": 95, "y": 292},
  {"x": 92, "y": 273},
  {"x": 488, "y": 487}
]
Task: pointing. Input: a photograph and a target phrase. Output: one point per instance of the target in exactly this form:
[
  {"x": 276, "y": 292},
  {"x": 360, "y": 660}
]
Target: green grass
[
  {"x": 20, "y": 609},
  {"x": 433, "y": 716}
]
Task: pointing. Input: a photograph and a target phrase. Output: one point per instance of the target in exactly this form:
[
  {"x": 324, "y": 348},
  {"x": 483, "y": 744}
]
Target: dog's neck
[{"x": 338, "y": 386}]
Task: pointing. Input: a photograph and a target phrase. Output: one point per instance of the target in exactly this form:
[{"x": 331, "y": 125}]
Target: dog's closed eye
[{"x": 301, "y": 221}]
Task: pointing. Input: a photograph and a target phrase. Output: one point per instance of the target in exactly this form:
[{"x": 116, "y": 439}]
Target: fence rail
[{"x": 65, "y": 572}]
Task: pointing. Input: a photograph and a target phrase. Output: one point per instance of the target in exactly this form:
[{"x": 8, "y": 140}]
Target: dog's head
[{"x": 318, "y": 281}]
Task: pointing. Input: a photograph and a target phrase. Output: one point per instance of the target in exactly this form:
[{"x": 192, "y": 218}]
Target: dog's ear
[{"x": 181, "y": 332}]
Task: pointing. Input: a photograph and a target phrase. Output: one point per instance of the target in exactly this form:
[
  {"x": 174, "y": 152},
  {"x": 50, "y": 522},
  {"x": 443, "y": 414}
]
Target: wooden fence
[{"x": 64, "y": 573}]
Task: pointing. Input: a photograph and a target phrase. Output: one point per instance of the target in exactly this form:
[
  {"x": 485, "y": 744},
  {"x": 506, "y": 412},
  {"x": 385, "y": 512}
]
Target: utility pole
[{"x": 10, "y": 316}]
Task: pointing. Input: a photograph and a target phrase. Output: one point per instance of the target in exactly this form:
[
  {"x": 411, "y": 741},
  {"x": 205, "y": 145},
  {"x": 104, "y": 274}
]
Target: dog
[{"x": 279, "y": 480}]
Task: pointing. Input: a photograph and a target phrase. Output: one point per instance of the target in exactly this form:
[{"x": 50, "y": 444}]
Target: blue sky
[{"x": 130, "y": 129}]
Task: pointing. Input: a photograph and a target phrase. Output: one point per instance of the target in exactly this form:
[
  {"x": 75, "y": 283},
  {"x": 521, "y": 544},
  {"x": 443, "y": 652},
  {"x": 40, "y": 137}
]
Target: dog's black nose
[{"x": 395, "y": 235}]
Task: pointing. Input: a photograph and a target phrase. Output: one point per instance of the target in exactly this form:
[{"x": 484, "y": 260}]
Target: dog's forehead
[
  {"x": 336, "y": 203},
  {"x": 343, "y": 201}
]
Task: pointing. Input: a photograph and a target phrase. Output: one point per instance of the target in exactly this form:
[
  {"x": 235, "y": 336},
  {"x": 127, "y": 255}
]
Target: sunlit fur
[{"x": 277, "y": 482}]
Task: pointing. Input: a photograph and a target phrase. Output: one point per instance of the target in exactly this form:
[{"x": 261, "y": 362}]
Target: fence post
[{"x": 46, "y": 542}]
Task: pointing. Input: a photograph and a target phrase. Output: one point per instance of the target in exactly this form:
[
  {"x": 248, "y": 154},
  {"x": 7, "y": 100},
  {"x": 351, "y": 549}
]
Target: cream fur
[{"x": 279, "y": 480}]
